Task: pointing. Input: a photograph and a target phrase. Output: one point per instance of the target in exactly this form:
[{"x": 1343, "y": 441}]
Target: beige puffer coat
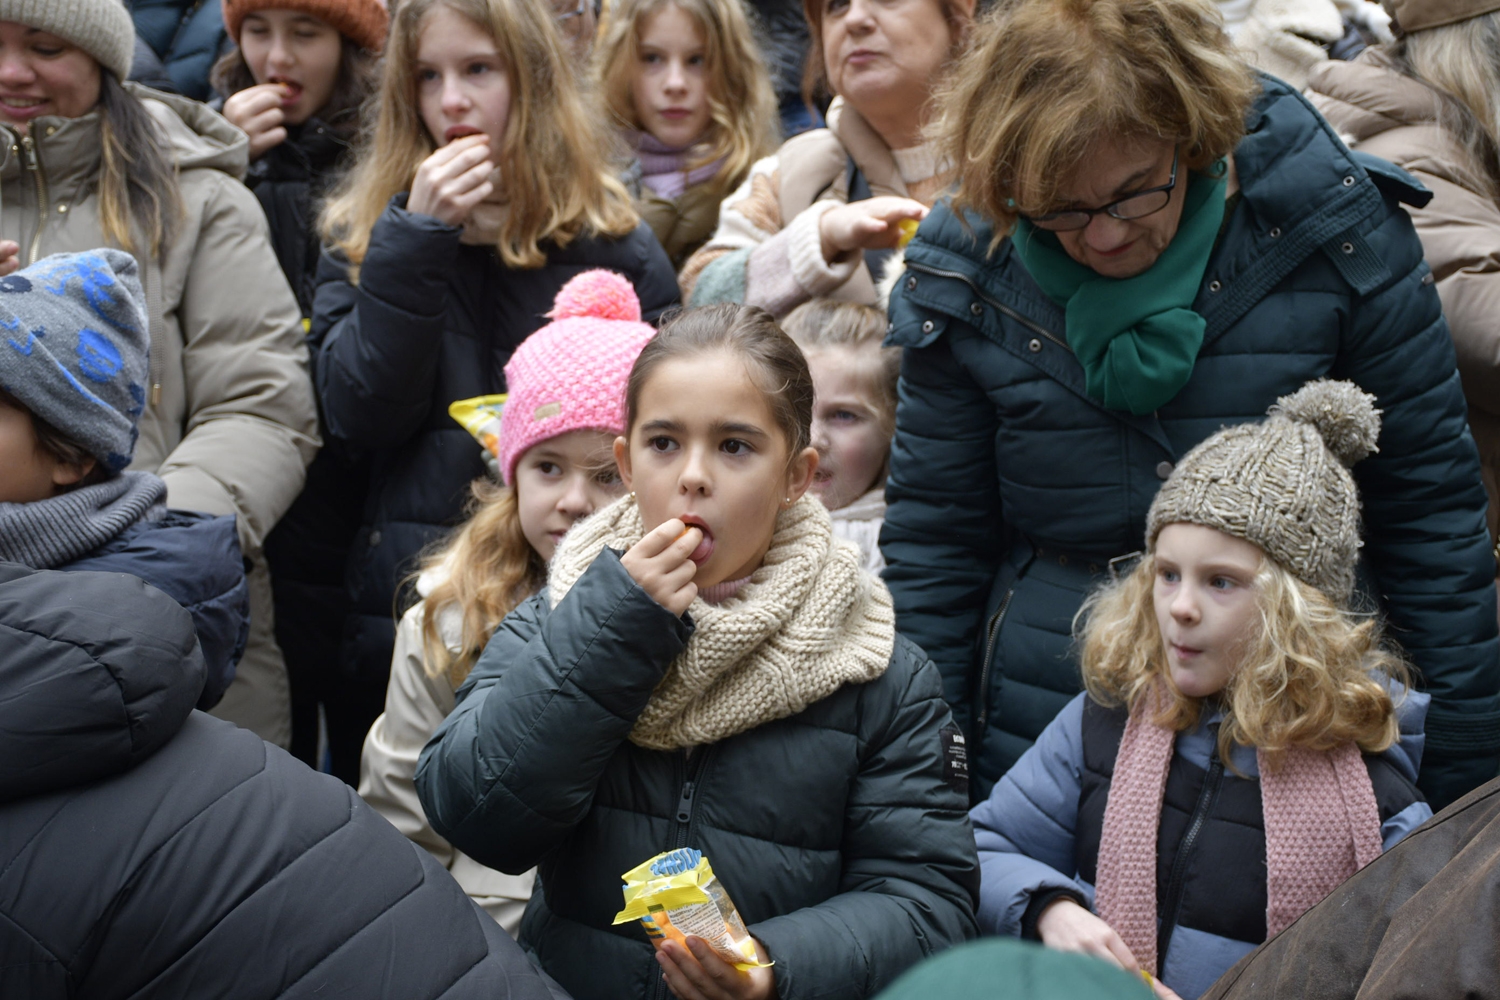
[
  {"x": 1378, "y": 110},
  {"x": 234, "y": 424},
  {"x": 416, "y": 703}
]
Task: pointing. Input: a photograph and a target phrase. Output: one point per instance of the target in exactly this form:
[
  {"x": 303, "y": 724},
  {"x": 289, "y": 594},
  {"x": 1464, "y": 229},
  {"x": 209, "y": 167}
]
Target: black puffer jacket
[
  {"x": 150, "y": 850},
  {"x": 840, "y": 831},
  {"x": 289, "y": 181},
  {"x": 430, "y": 322}
]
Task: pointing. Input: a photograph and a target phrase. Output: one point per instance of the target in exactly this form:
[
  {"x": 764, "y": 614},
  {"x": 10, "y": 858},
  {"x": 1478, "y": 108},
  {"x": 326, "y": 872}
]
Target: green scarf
[{"x": 1137, "y": 338}]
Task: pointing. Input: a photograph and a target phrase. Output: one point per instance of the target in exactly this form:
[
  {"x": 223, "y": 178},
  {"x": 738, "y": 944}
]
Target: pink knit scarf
[{"x": 1321, "y": 823}]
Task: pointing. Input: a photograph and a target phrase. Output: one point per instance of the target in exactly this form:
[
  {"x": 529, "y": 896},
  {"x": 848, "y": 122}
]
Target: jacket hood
[
  {"x": 97, "y": 672},
  {"x": 1366, "y": 97}
]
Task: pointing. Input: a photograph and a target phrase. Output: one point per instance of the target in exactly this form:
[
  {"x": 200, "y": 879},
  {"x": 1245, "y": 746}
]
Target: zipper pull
[
  {"x": 685, "y": 804},
  {"x": 29, "y": 149}
]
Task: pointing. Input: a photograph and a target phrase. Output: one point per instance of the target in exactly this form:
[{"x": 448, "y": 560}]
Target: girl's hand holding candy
[
  {"x": 454, "y": 179},
  {"x": 659, "y": 563},
  {"x": 698, "y": 973}
]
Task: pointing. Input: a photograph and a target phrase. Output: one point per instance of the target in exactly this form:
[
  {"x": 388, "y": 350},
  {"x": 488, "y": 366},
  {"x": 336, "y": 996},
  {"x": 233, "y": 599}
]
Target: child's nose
[{"x": 1185, "y": 606}]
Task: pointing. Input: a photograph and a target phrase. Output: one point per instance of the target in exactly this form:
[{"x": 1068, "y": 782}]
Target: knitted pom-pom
[
  {"x": 1343, "y": 413},
  {"x": 600, "y": 294}
]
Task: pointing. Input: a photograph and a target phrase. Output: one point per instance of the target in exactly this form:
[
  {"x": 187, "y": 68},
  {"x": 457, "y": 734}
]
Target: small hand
[
  {"x": 257, "y": 112},
  {"x": 659, "y": 563},
  {"x": 1066, "y": 926},
  {"x": 698, "y": 973},
  {"x": 454, "y": 179},
  {"x": 871, "y": 224},
  {"x": 10, "y": 257}
]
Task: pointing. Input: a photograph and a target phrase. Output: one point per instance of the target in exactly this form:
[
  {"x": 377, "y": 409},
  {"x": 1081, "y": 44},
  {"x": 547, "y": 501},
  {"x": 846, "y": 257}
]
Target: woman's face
[
  {"x": 670, "y": 86},
  {"x": 883, "y": 56},
  {"x": 1205, "y": 604},
  {"x": 296, "y": 50},
  {"x": 462, "y": 84},
  {"x": 561, "y": 481},
  {"x": 706, "y": 449},
  {"x": 1114, "y": 169},
  {"x": 40, "y": 74}
]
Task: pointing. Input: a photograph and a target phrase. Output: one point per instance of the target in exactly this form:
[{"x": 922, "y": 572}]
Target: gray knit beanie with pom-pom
[{"x": 1283, "y": 484}]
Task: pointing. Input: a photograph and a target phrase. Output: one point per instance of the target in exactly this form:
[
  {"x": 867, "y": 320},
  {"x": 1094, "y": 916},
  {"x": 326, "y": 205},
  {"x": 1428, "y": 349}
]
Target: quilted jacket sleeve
[
  {"x": 1426, "y": 542},
  {"x": 376, "y": 342},
  {"x": 903, "y": 897},
  {"x": 943, "y": 521},
  {"x": 1025, "y": 830},
  {"x": 513, "y": 769}
]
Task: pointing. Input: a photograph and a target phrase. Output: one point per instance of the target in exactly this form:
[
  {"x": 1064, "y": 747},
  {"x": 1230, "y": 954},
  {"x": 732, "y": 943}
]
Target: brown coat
[
  {"x": 1377, "y": 110},
  {"x": 1421, "y": 921},
  {"x": 236, "y": 424}
]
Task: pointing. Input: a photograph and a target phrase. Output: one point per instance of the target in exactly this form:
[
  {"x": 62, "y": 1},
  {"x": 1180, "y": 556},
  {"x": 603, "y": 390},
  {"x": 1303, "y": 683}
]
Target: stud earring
[
  {"x": 786, "y": 500},
  {"x": 631, "y": 495}
]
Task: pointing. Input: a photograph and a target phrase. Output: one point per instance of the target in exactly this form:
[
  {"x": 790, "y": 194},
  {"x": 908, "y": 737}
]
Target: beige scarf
[{"x": 809, "y": 621}]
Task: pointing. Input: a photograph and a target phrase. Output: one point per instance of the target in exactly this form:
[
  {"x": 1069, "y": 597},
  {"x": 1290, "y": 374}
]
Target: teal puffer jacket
[
  {"x": 1011, "y": 490},
  {"x": 841, "y": 832}
]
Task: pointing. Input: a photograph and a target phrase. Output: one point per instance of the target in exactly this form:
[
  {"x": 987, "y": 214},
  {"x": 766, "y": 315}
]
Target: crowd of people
[{"x": 1027, "y": 470}]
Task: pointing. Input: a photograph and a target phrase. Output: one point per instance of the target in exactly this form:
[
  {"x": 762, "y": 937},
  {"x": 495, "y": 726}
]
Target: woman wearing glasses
[{"x": 1148, "y": 242}]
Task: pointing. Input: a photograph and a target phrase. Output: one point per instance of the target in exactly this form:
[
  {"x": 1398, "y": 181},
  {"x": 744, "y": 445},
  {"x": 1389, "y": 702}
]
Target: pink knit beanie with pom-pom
[{"x": 570, "y": 375}]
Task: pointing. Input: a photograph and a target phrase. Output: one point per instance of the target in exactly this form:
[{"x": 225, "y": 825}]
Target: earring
[
  {"x": 787, "y": 500},
  {"x": 631, "y": 495}
]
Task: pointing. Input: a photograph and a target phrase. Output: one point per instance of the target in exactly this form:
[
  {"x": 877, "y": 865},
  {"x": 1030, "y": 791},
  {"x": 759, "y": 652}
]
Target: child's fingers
[
  {"x": 709, "y": 974},
  {"x": 673, "y": 971},
  {"x": 659, "y": 539},
  {"x": 1120, "y": 953}
]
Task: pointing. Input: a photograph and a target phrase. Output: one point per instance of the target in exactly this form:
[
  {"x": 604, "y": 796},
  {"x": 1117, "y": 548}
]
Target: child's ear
[
  {"x": 622, "y": 459},
  {"x": 67, "y": 474},
  {"x": 800, "y": 476}
]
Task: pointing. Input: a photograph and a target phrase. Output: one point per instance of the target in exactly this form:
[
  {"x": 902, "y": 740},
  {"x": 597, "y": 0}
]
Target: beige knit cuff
[{"x": 805, "y": 251}]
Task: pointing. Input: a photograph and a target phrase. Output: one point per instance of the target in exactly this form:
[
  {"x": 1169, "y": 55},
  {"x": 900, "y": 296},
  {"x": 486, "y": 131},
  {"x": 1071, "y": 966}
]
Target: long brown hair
[
  {"x": 552, "y": 163},
  {"x": 744, "y": 125},
  {"x": 1460, "y": 64},
  {"x": 140, "y": 204},
  {"x": 487, "y": 569}
]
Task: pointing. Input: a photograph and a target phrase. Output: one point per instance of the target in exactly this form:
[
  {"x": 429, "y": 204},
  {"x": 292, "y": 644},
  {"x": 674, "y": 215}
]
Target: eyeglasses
[{"x": 1136, "y": 206}]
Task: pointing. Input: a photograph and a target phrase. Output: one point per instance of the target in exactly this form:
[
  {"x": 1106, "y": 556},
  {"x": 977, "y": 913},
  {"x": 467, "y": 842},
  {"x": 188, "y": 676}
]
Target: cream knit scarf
[{"x": 809, "y": 621}]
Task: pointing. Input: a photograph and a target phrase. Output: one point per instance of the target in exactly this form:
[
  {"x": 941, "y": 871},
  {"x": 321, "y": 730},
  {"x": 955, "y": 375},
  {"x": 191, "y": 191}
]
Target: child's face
[
  {"x": 563, "y": 480},
  {"x": 462, "y": 84},
  {"x": 27, "y": 471},
  {"x": 296, "y": 50},
  {"x": 706, "y": 449},
  {"x": 670, "y": 86},
  {"x": 1205, "y": 604},
  {"x": 846, "y": 428}
]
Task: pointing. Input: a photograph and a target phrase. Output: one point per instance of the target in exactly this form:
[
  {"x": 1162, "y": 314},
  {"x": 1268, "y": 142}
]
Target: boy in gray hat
[{"x": 74, "y": 350}]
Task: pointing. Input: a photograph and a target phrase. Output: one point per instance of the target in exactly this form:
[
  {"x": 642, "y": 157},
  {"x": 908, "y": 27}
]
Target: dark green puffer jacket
[
  {"x": 840, "y": 839},
  {"x": 1011, "y": 489}
]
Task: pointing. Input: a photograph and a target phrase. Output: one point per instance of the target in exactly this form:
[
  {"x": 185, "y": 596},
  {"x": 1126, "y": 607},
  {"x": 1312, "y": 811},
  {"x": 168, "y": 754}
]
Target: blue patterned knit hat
[{"x": 75, "y": 348}]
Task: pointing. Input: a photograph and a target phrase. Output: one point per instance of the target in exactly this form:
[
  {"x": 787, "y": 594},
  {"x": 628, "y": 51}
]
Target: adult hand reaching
[
  {"x": 257, "y": 111},
  {"x": 698, "y": 973},
  {"x": 454, "y": 179},
  {"x": 871, "y": 224}
]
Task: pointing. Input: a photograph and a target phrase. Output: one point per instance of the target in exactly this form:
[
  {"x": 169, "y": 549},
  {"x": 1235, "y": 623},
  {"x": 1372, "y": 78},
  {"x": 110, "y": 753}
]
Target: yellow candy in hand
[{"x": 908, "y": 229}]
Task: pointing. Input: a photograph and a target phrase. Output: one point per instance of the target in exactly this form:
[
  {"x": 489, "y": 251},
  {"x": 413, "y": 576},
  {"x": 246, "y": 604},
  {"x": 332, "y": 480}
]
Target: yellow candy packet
[
  {"x": 908, "y": 229},
  {"x": 675, "y": 894},
  {"x": 480, "y": 416}
]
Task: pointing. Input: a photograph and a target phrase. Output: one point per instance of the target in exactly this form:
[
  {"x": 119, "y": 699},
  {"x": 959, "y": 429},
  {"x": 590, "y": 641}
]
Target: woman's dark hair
[
  {"x": 138, "y": 193},
  {"x": 358, "y": 75},
  {"x": 748, "y": 332}
]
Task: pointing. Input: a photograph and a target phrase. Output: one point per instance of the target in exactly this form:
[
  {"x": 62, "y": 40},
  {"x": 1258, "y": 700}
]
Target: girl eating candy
[
  {"x": 709, "y": 668},
  {"x": 483, "y": 190},
  {"x": 565, "y": 408},
  {"x": 1239, "y": 751},
  {"x": 854, "y": 413},
  {"x": 689, "y": 90}
]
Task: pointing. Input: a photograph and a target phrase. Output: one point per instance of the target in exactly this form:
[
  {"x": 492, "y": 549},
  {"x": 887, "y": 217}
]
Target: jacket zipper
[
  {"x": 1206, "y": 799},
  {"x": 683, "y": 831},
  {"x": 1006, "y": 310},
  {"x": 34, "y": 164},
  {"x": 992, "y": 630}
]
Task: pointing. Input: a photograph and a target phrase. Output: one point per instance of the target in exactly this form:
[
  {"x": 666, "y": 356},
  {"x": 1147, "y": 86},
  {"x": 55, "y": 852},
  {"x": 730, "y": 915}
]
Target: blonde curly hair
[{"x": 1310, "y": 677}]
